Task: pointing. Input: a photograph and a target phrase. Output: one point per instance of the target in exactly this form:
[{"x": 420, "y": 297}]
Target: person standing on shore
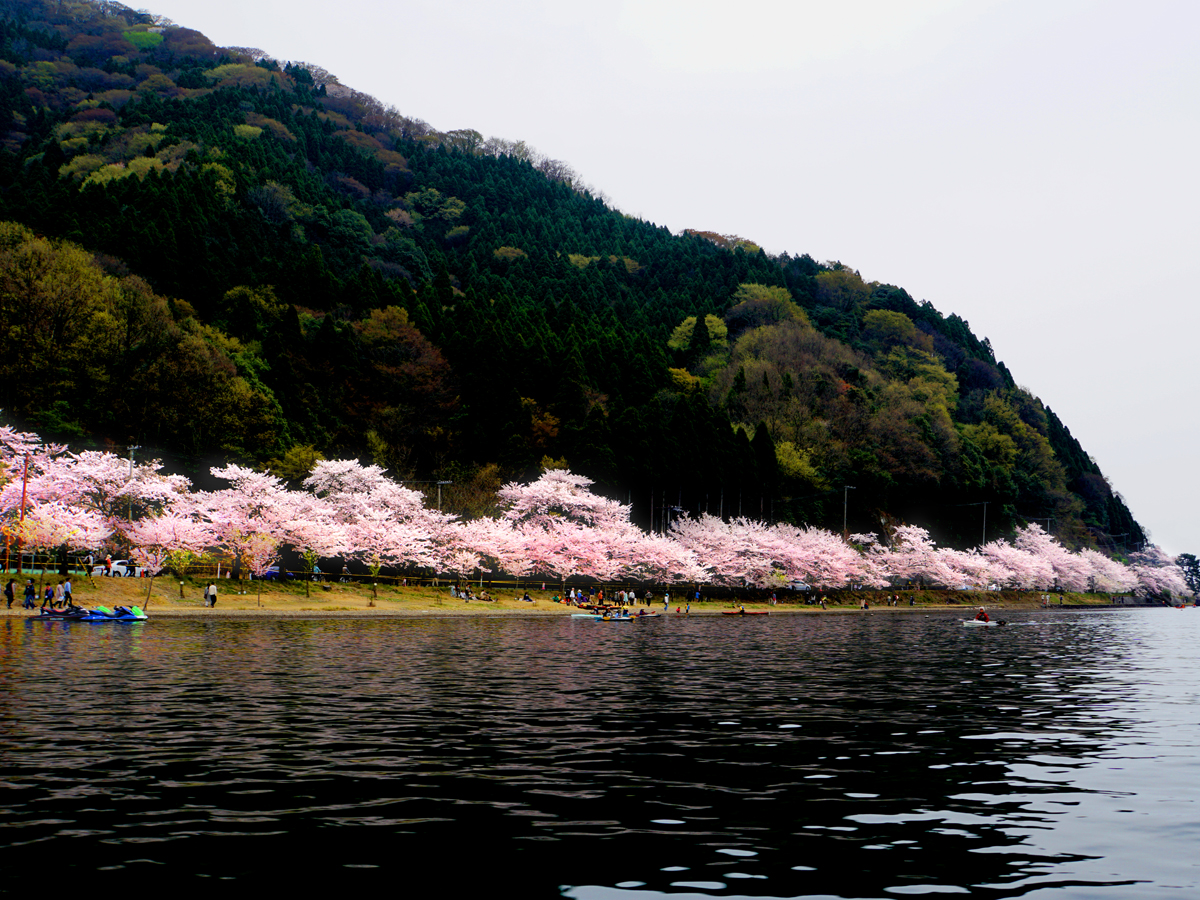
[
  {"x": 67, "y": 592},
  {"x": 30, "y": 596},
  {"x": 9, "y": 593},
  {"x": 210, "y": 595}
]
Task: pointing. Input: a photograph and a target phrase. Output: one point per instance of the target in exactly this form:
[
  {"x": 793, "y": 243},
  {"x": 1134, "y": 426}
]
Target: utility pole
[
  {"x": 846, "y": 489},
  {"x": 129, "y": 509},
  {"x": 983, "y": 540},
  {"x": 21, "y": 526},
  {"x": 439, "y": 487}
]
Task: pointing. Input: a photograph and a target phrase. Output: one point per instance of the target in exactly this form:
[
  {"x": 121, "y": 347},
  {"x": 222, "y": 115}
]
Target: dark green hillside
[{"x": 222, "y": 255}]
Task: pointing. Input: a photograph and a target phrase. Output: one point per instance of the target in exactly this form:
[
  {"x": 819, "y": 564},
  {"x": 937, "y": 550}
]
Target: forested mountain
[{"x": 211, "y": 253}]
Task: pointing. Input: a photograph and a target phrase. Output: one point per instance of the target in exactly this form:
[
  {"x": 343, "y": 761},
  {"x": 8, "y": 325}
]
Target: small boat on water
[
  {"x": 603, "y": 617},
  {"x": 745, "y": 612},
  {"x": 981, "y": 624}
]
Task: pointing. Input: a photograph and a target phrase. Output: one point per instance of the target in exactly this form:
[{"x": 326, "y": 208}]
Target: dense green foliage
[{"x": 223, "y": 255}]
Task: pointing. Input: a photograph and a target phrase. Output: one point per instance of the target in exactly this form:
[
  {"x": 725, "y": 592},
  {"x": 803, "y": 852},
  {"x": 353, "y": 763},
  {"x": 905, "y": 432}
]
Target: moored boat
[{"x": 99, "y": 614}]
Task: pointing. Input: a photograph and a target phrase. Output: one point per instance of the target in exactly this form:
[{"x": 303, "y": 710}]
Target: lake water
[{"x": 872, "y": 755}]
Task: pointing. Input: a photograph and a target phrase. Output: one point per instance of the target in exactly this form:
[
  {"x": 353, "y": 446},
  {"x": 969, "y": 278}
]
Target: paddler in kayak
[{"x": 982, "y": 616}]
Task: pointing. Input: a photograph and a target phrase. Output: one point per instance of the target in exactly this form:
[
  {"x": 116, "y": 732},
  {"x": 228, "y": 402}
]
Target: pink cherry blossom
[
  {"x": 1108, "y": 574},
  {"x": 1157, "y": 574},
  {"x": 102, "y": 483}
]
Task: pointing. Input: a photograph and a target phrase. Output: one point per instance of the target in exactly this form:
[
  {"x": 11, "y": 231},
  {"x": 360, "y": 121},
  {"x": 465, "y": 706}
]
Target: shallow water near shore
[{"x": 782, "y": 756}]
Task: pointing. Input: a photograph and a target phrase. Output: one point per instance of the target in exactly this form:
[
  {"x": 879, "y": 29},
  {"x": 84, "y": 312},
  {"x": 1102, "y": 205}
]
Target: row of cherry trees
[{"x": 554, "y": 528}]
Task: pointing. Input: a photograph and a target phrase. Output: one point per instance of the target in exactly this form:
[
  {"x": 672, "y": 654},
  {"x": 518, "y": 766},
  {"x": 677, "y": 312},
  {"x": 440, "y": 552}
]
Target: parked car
[{"x": 121, "y": 568}]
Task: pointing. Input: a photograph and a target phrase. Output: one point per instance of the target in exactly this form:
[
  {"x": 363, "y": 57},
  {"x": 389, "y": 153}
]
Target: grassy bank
[{"x": 169, "y": 596}]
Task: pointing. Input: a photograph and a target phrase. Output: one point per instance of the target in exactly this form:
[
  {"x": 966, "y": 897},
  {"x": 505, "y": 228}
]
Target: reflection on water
[{"x": 880, "y": 755}]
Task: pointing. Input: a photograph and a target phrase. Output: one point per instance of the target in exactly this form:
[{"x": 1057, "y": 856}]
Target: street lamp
[{"x": 846, "y": 489}]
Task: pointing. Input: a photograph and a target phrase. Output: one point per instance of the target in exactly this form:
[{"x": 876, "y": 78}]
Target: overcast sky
[{"x": 1027, "y": 164}]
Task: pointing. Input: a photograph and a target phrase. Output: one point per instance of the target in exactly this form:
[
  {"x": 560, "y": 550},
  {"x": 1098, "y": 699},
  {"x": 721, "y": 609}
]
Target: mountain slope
[{"x": 261, "y": 262}]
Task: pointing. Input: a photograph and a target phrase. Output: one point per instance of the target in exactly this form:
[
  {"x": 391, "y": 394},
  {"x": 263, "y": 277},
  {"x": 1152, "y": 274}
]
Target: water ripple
[{"x": 561, "y": 759}]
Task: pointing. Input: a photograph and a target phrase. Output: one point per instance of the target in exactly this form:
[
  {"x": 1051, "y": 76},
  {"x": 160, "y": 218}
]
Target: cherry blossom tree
[
  {"x": 970, "y": 568},
  {"x": 1013, "y": 567},
  {"x": 250, "y": 517},
  {"x": 913, "y": 556},
  {"x": 23, "y": 455},
  {"x": 384, "y": 523},
  {"x": 1108, "y": 574},
  {"x": 727, "y": 551},
  {"x": 562, "y": 549},
  {"x": 657, "y": 558},
  {"x": 555, "y": 526},
  {"x": 1157, "y": 574},
  {"x": 1071, "y": 571},
  {"x": 822, "y": 558},
  {"x": 54, "y": 524},
  {"x": 747, "y": 552},
  {"x": 347, "y": 486},
  {"x": 487, "y": 544},
  {"x": 16, "y": 445},
  {"x": 104, "y": 483},
  {"x": 158, "y": 539},
  {"x": 567, "y": 529},
  {"x": 559, "y": 496},
  {"x": 260, "y": 551},
  {"x": 316, "y": 536}
]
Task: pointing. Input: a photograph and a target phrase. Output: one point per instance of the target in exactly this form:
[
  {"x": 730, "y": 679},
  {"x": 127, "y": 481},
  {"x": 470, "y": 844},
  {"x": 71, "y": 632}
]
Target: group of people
[
  {"x": 465, "y": 594},
  {"x": 56, "y": 596},
  {"x": 596, "y": 596}
]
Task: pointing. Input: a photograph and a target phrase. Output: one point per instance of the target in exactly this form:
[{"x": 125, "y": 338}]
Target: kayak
[
  {"x": 980, "y": 624},
  {"x": 745, "y": 612},
  {"x": 599, "y": 618}
]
